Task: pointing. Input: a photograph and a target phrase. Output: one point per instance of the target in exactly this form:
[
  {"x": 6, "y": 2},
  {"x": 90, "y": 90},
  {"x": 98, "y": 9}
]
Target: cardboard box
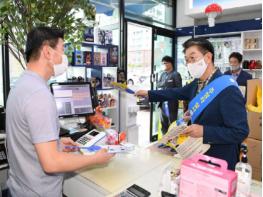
[
  {"x": 254, "y": 152},
  {"x": 255, "y": 125},
  {"x": 254, "y": 119},
  {"x": 202, "y": 175},
  {"x": 257, "y": 174},
  {"x": 252, "y": 90}
]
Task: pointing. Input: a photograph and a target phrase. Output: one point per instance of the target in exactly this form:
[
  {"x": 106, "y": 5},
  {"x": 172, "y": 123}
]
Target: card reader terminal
[{"x": 91, "y": 138}]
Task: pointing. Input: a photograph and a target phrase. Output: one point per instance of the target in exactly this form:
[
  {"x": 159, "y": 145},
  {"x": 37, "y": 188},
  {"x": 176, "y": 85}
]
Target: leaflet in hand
[
  {"x": 192, "y": 146},
  {"x": 119, "y": 148},
  {"x": 185, "y": 146}
]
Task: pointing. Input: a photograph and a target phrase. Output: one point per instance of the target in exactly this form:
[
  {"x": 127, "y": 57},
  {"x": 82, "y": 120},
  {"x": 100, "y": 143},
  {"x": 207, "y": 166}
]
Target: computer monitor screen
[{"x": 73, "y": 99}]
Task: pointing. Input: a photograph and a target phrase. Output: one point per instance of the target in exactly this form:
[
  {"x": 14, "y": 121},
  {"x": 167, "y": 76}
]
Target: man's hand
[
  {"x": 194, "y": 130},
  {"x": 102, "y": 156},
  {"x": 67, "y": 141},
  {"x": 187, "y": 116},
  {"x": 141, "y": 93}
]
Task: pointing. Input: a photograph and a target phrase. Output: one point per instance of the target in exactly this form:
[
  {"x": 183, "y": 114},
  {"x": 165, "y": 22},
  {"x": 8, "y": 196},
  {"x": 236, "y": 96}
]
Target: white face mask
[
  {"x": 163, "y": 67},
  {"x": 61, "y": 68},
  {"x": 197, "y": 69},
  {"x": 234, "y": 68}
]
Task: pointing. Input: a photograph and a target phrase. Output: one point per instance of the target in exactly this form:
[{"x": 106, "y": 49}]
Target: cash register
[{"x": 74, "y": 100}]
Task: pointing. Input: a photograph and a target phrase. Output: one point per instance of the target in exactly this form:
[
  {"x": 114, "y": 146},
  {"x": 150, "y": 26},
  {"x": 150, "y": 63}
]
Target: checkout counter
[{"x": 143, "y": 167}]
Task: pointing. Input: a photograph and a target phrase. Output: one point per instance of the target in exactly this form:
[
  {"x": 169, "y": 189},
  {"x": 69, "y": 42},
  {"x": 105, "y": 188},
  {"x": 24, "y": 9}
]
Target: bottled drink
[{"x": 244, "y": 173}]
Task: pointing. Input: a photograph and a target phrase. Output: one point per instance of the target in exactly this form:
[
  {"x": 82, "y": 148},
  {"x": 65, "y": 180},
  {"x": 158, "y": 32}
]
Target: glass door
[
  {"x": 146, "y": 46},
  {"x": 139, "y": 66},
  {"x": 163, "y": 46}
]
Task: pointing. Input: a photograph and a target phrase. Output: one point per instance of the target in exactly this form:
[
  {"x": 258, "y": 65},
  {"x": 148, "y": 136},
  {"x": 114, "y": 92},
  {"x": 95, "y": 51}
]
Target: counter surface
[{"x": 143, "y": 167}]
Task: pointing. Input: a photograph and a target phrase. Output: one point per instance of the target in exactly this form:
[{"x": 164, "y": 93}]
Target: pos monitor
[{"x": 73, "y": 99}]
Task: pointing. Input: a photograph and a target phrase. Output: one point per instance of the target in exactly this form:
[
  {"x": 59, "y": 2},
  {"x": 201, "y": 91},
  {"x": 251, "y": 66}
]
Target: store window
[
  {"x": 181, "y": 65},
  {"x": 1, "y": 78},
  {"x": 15, "y": 69},
  {"x": 139, "y": 56},
  {"x": 159, "y": 13}
]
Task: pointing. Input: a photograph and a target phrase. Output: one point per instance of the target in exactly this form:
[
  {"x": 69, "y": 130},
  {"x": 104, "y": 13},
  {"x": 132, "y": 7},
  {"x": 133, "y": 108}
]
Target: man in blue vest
[
  {"x": 241, "y": 76},
  {"x": 218, "y": 123}
]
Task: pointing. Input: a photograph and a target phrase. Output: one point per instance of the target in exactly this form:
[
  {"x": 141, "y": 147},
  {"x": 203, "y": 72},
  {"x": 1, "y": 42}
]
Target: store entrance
[
  {"x": 145, "y": 48},
  {"x": 139, "y": 66},
  {"x": 163, "y": 46}
]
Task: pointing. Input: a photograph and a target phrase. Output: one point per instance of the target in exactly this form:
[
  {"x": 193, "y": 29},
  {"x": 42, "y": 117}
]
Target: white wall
[{"x": 181, "y": 19}]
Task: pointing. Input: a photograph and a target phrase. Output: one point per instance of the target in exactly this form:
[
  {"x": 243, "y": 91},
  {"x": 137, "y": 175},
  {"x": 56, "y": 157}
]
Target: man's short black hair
[
  {"x": 39, "y": 36},
  {"x": 236, "y": 55},
  {"x": 203, "y": 44},
  {"x": 168, "y": 59}
]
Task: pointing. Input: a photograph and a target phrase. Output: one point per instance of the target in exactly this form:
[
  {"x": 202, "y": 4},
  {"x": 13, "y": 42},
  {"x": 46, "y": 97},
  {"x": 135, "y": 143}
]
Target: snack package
[
  {"x": 114, "y": 138},
  {"x": 100, "y": 121}
]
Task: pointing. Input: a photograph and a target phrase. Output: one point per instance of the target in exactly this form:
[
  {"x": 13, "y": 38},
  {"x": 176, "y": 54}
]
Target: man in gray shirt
[{"x": 36, "y": 155}]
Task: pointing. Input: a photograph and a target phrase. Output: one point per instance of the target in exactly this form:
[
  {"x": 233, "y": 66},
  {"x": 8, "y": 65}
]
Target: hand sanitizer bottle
[{"x": 244, "y": 174}]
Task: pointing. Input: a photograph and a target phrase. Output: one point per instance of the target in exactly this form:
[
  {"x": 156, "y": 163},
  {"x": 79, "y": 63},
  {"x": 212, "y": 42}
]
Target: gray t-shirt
[{"x": 31, "y": 118}]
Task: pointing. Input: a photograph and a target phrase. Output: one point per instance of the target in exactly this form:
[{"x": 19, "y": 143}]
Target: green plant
[{"x": 18, "y": 17}]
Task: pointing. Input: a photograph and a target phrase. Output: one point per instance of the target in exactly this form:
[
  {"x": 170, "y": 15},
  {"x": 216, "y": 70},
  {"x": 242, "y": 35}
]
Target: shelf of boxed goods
[
  {"x": 256, "y": 73},
  {"x": 251, "y": 50},
  {"x": 110, "y": 107},
  {"x": 252, "y": 70},
  {"x": 110, "y": 111},
  {"x": 100, "y": 63},
  {"x": 251, "y": 42}
]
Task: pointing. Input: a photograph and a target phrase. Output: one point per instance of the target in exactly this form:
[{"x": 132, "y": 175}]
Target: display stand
[
  {"x": 98, "y": 64},
  {"x": 251, "y": 42}
]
